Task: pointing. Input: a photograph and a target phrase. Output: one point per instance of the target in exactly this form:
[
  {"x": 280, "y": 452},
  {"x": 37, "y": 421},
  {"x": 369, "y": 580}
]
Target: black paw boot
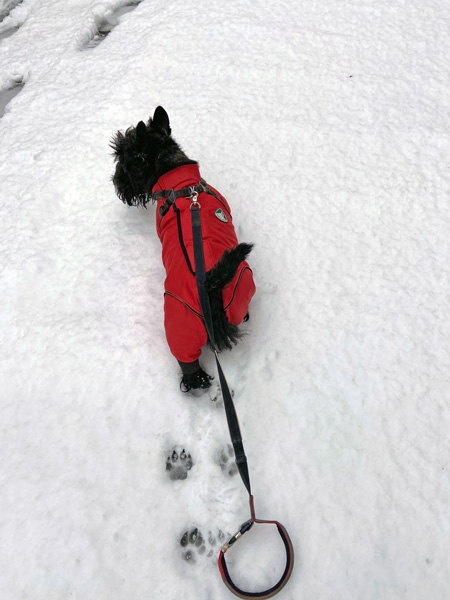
[{"x": 195, "y": 382}]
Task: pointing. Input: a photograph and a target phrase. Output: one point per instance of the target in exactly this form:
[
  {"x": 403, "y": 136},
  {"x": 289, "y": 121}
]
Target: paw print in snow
[
  {"x": 102, "y": 23},
  {"x": 226, "y": 462},
  {"x": 215, "y": 394},
  {"x": 270, "y": 361},
  {"x": 178, "y": 465},
  {"x": 195, "y": 545}
]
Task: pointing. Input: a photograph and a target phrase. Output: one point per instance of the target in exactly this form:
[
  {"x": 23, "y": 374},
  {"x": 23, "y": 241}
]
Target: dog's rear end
[{"x": 217, "y": 279}]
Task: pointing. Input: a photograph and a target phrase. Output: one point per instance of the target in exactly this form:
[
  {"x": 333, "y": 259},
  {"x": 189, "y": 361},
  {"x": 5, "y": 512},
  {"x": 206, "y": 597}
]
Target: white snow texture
[{"x": 326, "y": 125}]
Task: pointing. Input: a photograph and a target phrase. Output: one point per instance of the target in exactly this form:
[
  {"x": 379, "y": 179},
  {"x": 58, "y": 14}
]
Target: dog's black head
[{"x": 144, "y": 153}]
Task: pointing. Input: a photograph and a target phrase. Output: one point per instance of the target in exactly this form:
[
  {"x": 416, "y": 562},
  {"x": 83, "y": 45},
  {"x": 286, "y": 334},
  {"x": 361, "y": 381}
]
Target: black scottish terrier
[{"x": 148, "y": 160}]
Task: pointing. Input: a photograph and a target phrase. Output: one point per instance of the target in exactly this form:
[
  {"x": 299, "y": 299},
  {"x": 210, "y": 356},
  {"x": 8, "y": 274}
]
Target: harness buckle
[{"x": 193, "y": 197}]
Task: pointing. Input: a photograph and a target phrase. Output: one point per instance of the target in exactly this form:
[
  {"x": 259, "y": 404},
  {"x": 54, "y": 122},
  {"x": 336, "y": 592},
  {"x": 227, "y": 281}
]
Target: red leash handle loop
[{"x": 289, "y": 559}]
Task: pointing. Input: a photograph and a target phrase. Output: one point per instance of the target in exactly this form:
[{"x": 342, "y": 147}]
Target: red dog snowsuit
[{"x": 183, "y": 322}]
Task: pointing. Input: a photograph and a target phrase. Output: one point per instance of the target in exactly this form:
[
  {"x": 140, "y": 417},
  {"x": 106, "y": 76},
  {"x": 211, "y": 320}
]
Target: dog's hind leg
[{"x": 186, "y": 335}]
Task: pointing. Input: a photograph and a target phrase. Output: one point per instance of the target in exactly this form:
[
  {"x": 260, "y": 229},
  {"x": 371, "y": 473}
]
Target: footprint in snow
[
  {"x": 213, "y": 393},
  {"x": 7, "y": 6},
  {"x": 6, "y": 33},
  {"x": 226, "y": 461},
  {"x": 178, "y": 464},
  {"x": 104, "y": 24},
  {"x": 270, "y": 361},
  {"x": 7, "y": 94},
  {"x": 16, "y": 21},
  {"x": 196, "y": 545}
]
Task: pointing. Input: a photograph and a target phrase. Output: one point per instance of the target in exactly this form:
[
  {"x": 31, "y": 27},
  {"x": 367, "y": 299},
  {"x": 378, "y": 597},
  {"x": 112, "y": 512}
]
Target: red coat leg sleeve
[
  {"x": 244, "y": 292},
  {"x": 185, "y": 332}
]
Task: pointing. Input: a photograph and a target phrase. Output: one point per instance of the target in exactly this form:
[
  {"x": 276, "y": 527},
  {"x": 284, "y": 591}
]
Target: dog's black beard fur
[{"x": 143, "y": 154}]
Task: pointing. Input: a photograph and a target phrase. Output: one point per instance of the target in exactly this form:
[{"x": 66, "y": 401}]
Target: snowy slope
[{"x": 326, "y": 126}]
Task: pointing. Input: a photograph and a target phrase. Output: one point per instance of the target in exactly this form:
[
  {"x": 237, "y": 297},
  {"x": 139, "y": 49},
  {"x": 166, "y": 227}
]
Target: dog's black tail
[{"x": 225, "y": 333}]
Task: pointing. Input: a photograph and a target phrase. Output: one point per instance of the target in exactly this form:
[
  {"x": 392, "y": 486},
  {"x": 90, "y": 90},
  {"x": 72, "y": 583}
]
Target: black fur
[
  {"x": 225, "y": 333},
  {"x": 143, "y": 154},
  {"x": 222, "y": 274}
]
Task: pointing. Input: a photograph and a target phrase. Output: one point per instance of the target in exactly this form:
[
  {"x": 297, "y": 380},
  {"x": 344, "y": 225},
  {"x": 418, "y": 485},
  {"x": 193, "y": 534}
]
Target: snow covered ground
[{"x": 327, "y": 127}]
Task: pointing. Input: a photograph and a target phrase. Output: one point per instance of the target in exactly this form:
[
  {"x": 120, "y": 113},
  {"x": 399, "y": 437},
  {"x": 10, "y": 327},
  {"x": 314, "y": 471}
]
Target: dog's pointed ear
[
  {"x": 141, "y": 134},
  {"x": 161, "y": 120}
]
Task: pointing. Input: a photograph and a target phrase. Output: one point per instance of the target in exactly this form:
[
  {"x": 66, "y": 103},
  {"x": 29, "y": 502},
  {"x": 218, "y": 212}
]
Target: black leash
[{"x": 233, "y": 425}]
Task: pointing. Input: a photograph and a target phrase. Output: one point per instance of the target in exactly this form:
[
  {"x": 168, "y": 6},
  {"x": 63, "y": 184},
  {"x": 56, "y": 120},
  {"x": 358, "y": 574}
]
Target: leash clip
[
  {"x": 244, "y": 528},
  {"x": 193, "y": 197}
]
